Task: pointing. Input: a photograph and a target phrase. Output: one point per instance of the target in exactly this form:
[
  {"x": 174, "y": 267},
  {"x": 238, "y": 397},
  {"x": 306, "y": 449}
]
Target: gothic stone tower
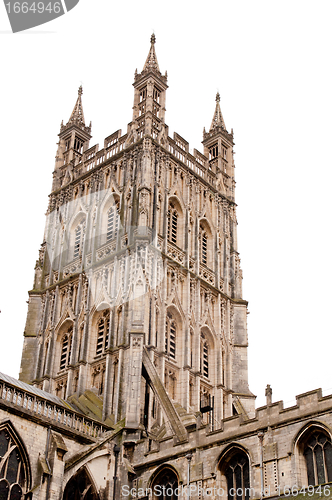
[{"x": 137, "y": 294}]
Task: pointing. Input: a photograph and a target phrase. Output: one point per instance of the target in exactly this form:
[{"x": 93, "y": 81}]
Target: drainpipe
[
  {"x": 48, "y": 464},
  {"x": 260, "y": 437},
  {"x": 189, "y": 456},
  {"x": 116, "y": 451}
]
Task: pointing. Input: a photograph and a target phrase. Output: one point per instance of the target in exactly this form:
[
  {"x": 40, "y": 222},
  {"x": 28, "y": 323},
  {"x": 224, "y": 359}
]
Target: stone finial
[
  {"x": 217, "y": 97},
  {"x": 80, "y": 90},
  {"x": 268, "y": 394},
  {"x": 153, "y": 38}
]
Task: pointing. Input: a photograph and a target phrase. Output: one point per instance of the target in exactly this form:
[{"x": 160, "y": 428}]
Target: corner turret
[
  {"x": 149, "y": 97},
  {"x": 74, "y": 140},
  {"x": 218, "y": 148}
]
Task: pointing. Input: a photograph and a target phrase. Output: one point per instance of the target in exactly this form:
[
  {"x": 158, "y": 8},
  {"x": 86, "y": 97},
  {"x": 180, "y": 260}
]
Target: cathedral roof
[{"x": 34, "y": 390}]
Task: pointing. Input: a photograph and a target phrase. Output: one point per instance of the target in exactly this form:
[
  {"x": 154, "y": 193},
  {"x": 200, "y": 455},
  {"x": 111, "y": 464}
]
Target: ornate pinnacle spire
[
  {"x": 151, "y": 63},
  {"x": 217, "y": 120},
  {"x": 77, "y": 115}
]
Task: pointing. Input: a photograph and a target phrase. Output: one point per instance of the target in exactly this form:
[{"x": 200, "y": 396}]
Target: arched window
[
  {"x": 79, "y": 237},
  {"x": 165, "y": 485},
  {"x": 80, "y": 487},
  {"x": 103, "y": 335},
  {"x": 204, "y": 368},
  {"x": 318, "y": 456},
  {"x": 65, "y": 350},
  {"x": 172, "y": 224},
  {"x": 13, "y": 471},
  {"x": 236, "y": 471},
  {"x": 170, "y": 336},
  {"x": 113, "y": 221}
]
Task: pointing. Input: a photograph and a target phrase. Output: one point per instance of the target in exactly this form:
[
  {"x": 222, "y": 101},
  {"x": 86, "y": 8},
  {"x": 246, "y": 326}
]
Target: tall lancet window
[
  {"x": 113, "y": 221},
  {"x": 170, "y": 336},
  {"x": 79, "y": 238},
  {"x": 172, "y": 225},
  {"x": 204, "y": 246},
  {"x": 103, "y": 335},
  {"x": 204, "y": 356},
  {"x": 65, "y": 349}
]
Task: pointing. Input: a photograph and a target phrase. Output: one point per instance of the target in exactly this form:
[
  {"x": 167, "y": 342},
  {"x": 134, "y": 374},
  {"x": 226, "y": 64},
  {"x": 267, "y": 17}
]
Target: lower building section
[{"x": 55, "y": 449}]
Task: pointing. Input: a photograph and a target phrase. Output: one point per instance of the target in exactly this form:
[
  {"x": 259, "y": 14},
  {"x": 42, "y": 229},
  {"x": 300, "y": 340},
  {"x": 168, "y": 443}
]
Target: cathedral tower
[{"x": 137, "y": 295}]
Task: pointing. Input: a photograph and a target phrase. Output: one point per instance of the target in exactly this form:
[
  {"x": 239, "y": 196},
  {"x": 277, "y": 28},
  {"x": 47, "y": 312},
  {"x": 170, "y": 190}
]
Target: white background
[{"x": 271, "y": 63}]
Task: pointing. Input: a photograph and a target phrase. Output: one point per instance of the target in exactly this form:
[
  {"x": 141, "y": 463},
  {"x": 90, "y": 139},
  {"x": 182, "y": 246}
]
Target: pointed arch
[
  {"x": 205, "y": 243},
  {"x": 100, "y": 328},
  {"x": 110, "y": 218},
  {"x": 168, "y": 477},
  {"x": 15, "y": 471},
  {"x": 207, "y": 355},
  {"x": 64, "y": 344},
  {"x": 234, "y": 469},
  {"x": 80, "y": 487},
  {"x": 76, "y": 236},
  {"x": 175, "y": 222},
  {"x": 313, "y": 451}
]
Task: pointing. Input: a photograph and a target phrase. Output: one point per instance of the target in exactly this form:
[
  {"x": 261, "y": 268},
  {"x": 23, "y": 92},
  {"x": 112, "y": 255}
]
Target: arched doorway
[
  {"x": 165, "y": 485},
  {"x": 80, "y": 487}
]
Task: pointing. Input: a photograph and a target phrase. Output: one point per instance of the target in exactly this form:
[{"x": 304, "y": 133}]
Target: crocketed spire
[
  {"x": 151, "y": 63},
  {"x": 77, "y": 116},
  {"x": 217, "y": 120}
]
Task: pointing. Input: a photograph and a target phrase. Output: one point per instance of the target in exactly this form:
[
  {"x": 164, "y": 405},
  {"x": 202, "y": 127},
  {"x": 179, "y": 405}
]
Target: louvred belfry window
[
  {"x": 170, "y": 336},
  {"x": 65, "y": 350},
  {"x": 204, "y": 247},
  {"x": 103, "y": 335},
  {"x": 78, "y": 243},
  {"x": 318, "y": 457},
  {"x": 204, "y": 357},
  {"x": 12, "y": 469},
  {"x": 78, "y": 145},
  {"x": 172, "y": 225},
  {"x": 113, "y": 219}
]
